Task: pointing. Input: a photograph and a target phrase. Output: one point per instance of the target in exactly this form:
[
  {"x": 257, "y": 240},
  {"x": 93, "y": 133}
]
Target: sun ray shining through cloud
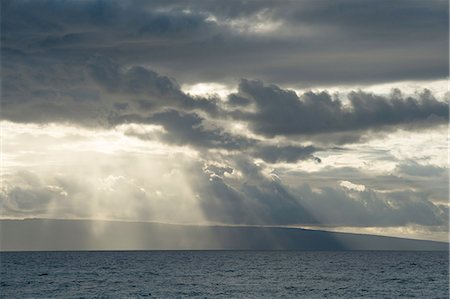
[{"x": 260, "y": 113}]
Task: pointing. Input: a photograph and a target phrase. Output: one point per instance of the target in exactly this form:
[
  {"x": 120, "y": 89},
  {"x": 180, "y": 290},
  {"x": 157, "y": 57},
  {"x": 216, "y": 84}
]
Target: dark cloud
[
  {"x": 33, "y": 91},
  {"x": 282, "y": 112},
  {"x": 330, "y": 42},
  {"x": 81, "y": 62},
  {"x": 370, "y": 18},
  {"x": 149, "y": 89},
  {"x": 102, "y": 93},
  {"x": 289, "y": 153},
  {"x": 74, "y": 62},
  {"x": 186, "y": 128},
  {"x": 236, "y": 100},
  {"x": 92, "y": 94},
  {"x": 189, "y": 129}
]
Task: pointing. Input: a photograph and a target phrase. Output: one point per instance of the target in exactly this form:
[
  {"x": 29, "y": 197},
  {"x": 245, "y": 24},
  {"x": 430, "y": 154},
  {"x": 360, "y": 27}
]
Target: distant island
[{"x": 50, "y": 234}]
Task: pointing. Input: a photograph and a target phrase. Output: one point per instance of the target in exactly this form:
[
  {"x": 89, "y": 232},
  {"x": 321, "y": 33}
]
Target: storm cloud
[
  {"x": 293, "y": 42},
  {"x": 283, "y": 112}
]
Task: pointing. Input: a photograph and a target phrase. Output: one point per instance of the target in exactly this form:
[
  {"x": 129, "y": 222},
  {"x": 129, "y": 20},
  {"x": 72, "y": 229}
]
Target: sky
[{"x": 314, "y": 114}]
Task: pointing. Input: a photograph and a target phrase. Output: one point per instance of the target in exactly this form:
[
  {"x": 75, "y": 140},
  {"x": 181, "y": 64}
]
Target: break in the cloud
[
  {"x": 141, "y": 188},
  {"x": 105, "y": 95},
  {"x": 94, "y": 87},
  {"x": 135, "y": 181}
]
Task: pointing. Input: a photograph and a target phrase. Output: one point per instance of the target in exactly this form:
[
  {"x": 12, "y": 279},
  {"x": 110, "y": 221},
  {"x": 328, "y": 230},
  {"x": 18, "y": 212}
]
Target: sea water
[{"x": 224, "y": 274}]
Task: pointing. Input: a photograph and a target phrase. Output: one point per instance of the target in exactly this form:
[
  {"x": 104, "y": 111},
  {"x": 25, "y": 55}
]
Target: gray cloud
[
  {"x": 330, "y": 42},
  {"x": 39, "y": 92},
  {"x": 102, "y": 93},
  {"x": 186, "y": 128},
  {"x": 149, "y": 90},
  {"x": 289, "y": 153},
  {"x": 282, "y": 112},
  {"x": 80, "y": 62},
  {"x": 92, "y": 94},
  {"x": 189, "y": 129}
]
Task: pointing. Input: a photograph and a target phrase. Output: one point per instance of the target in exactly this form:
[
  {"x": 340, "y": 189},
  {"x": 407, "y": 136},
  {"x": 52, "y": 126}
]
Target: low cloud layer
[{"x": 253, "y": 198}]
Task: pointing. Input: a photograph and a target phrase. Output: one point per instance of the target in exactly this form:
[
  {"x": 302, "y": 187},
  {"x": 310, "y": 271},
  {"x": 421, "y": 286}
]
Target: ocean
[{"x": 224, "y": 274}]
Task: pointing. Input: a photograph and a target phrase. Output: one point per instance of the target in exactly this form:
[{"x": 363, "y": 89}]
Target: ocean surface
[{"x": 224, "y": 274}]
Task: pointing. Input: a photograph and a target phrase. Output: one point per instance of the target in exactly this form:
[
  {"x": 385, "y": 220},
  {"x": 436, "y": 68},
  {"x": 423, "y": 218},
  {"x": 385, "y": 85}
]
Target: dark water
[{"x": 224, "y": 274}]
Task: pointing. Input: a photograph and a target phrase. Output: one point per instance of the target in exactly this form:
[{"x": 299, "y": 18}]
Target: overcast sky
[{"x": 330, "y": 114}]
